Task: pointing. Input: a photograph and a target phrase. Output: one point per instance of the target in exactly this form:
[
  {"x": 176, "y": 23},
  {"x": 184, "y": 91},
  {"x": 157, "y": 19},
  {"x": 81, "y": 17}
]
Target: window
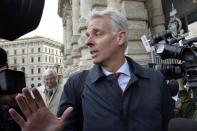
[
  {"x": 45, "y": 50},
  {"x": 39, "y": 78},
  {"x": 38, "y": 59},
  {"x": 38, "y": 70},
  {"x": 46, "y": 59},
  {"x": 32, "y": 79},
  {"x": 15, "y": 52},
  {"x": 32, "y": 71},
  {"x": 38, "y": 49},
  {"x": 23, "y": 60},
  {"x": 32, "y": 50},
  {"x": 23, "y": 51},
  {"x": 32, "y": 85},
  {"x": 39, "y": 84},
  {"x": 52, "y": 59},
  {"x": 61, "y": 70},
  {"x": 32, "y": 59},
  {"x": 15, "y": 61},
  {"x": 23, "y": 69}
]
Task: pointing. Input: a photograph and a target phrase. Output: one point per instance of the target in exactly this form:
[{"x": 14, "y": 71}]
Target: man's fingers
[
  {"x": 17, "y": 118},
  {"x": 66, "y": 113},
  {"x": 38, "y": 98},
  {"x": 23, "y": 106},
  {"x": 29, "y": 99}
]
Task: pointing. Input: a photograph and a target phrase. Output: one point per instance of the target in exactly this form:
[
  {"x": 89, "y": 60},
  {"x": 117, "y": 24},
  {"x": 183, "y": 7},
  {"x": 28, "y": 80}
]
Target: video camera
[
  {"x": 172, "y": 44},
  {"x": 11, "y": 81},
  {"x": 18, "y": 17}
]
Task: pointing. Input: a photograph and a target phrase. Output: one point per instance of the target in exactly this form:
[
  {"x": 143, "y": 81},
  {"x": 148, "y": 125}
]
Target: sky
[{"x": 51, "y": 24}]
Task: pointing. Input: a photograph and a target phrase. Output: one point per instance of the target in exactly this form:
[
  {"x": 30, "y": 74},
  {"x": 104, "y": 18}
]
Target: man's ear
[{"x": 121, "y": 37}]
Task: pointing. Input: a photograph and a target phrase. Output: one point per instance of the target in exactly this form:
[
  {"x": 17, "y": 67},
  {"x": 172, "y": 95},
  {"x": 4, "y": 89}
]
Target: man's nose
[{"x": 89, "y": 41}]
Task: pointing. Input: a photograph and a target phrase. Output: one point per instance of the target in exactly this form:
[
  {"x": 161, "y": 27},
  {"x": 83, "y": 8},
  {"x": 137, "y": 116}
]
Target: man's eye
[
  {"x": 87, "y": 35},
  {"x": 98, "y": 33}
]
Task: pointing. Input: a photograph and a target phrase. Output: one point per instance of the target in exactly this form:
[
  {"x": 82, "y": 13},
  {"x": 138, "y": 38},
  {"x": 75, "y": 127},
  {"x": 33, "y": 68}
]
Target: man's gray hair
[
  {"x": 49, "y": 72},
  {"x": 119, "y": 21}
]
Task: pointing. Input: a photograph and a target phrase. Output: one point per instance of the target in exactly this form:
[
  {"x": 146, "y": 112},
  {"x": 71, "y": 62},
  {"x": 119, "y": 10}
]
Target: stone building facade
[
  {"x": 144, "y": 16},
  {"x": 33, "y": 56}
]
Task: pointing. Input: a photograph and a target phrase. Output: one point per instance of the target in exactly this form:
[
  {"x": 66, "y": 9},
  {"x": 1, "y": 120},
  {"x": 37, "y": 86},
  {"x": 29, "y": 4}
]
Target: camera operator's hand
[
  {"x": 8, "y": 100},
  {"x": 181, "y": 83},
  {"x": 38, "y": 116}
]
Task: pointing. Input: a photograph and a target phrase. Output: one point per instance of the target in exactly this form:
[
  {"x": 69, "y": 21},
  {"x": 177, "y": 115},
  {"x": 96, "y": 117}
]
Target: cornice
[{"x": 30, "y": 40}]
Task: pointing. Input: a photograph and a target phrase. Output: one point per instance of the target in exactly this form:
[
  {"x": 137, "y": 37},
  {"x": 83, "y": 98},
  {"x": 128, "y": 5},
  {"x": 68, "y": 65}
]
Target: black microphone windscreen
[
  {"x": 19, "y": 17},
  {"x": 182, "y": 124}
]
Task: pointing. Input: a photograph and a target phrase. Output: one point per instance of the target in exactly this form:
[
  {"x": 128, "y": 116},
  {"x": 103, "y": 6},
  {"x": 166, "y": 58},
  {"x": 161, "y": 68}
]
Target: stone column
[
  {"x": 156, "y": 15},
  {"x": 65, "y": 40},
  {"x": 85, "y": 7},
  {"x": 68, "y": 36},
  {"x": 75, "y": 16},
  {"x": 68, "y": 31},
  {"x": 157, "y": 21},
  {"x": 137, "y": 16},
  {"x": 64, "y": 31}
]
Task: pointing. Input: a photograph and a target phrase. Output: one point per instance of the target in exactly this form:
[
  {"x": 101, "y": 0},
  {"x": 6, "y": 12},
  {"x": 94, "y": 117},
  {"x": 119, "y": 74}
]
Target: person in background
[
  {"x": 118, "y": 94},
  {"x": 6, "y": 101},
  {"x": 174, "y": 89},
  {"x": 50, "y": 90},
  {"x": 188, "y": 105}
]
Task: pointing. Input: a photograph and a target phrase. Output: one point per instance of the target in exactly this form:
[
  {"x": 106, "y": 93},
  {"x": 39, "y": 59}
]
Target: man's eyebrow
[
  {"x": 93, "y": 31},
  {"x": 97, "y": 30}
]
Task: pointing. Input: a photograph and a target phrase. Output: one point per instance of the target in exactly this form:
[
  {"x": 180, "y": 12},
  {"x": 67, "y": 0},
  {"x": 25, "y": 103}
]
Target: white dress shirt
[{"x": 124, "y": 77}]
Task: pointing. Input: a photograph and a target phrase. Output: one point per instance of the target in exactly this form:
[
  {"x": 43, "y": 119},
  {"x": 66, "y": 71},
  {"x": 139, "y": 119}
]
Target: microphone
[
  {"x": 182, "y": 124},
  {"x": 19, "y": 17}
]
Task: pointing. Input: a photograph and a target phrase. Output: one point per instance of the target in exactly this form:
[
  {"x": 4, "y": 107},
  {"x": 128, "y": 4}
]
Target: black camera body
[
  {"x": 170, "y": 71},
  {"x": 174, "y": 71},
  {"x": 187, "y": 54},
  {"x": 172, "y": 44},
  {"x": 11, "y": 81}
]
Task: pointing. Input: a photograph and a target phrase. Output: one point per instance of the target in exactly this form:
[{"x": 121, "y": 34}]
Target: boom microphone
[
  {"x": 182, "y": 124},
  {"x": 19, "y": 17}
]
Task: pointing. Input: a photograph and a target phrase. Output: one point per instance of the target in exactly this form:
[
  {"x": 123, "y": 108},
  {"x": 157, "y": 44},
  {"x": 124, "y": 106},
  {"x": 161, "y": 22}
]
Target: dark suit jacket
[
  {"x": 6, "y": 122},
  {"x": 144, "y": 106}
]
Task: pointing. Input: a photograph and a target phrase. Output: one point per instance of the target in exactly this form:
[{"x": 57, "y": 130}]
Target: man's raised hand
[{"x": 38, "y": 117}]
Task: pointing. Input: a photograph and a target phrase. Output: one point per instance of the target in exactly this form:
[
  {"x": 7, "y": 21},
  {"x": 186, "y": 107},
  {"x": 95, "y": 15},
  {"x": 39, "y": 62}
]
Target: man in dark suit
[
  {"x": 6, "y": 101},
  {"x": 134, "y": 100}
]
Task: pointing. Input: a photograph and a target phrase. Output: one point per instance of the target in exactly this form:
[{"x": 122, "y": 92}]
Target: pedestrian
[{"x": 50, "y": 90}]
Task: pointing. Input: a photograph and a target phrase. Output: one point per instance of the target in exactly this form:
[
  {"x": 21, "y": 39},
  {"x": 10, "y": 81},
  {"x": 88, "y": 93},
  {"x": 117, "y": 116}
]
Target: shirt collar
[
  {"x": 51, "y": 89},
  {"x": 124, "y": 69},
  {"x": 96, "y": 72}
]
